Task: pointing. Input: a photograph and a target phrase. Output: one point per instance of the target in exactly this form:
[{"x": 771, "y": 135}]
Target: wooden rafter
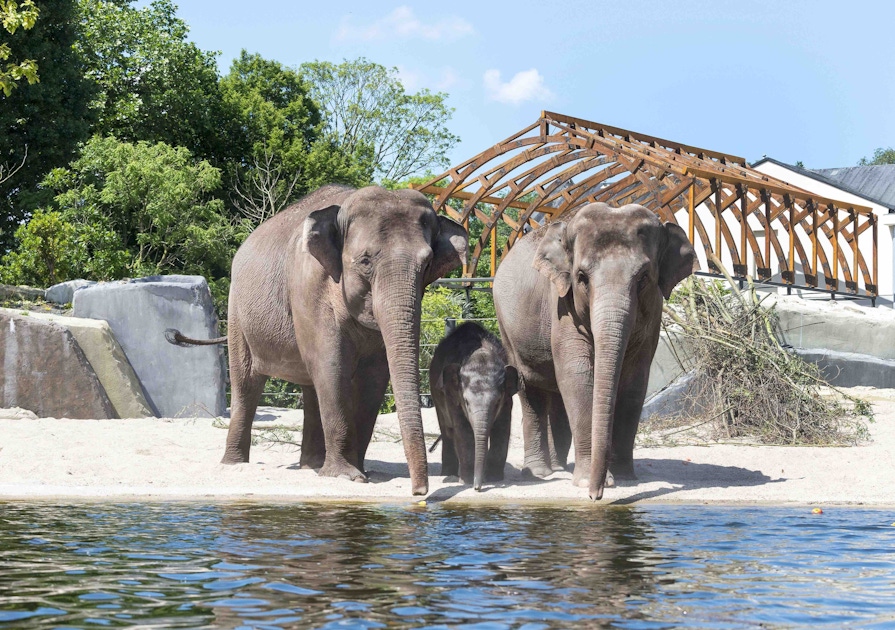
[{"x": 561, "y": 162}]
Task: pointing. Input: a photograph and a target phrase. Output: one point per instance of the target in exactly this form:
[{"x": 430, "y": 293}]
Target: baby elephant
[{"x": 473, "y": 387}]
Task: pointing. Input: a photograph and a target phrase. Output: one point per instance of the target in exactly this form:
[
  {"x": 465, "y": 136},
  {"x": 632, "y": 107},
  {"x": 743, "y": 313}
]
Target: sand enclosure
[{"x": 152, "y": 458}]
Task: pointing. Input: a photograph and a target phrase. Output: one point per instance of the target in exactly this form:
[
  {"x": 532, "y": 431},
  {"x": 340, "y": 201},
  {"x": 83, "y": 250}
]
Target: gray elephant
[
  {"x": 327, "y": 294},
  {"x": 472, "y": 388},
  {"x": 579, "y": 304}
]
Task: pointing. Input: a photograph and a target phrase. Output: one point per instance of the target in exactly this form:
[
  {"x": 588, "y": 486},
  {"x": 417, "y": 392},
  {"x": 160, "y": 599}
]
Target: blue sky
[{"x": 795, "y": 80}]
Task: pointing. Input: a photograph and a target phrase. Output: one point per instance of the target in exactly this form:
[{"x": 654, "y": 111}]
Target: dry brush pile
[{"x": 743, "y": 384}]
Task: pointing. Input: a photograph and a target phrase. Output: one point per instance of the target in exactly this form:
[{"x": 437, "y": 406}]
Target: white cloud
[
  {"x": 414, "y": 81},
  {"x": 524, "y": 86},
  {"x": 402, "y": 23}
]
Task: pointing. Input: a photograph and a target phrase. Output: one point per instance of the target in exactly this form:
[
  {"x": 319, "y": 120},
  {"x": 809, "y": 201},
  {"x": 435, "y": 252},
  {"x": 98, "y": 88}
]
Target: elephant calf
[{"x": 473, "y": 387}]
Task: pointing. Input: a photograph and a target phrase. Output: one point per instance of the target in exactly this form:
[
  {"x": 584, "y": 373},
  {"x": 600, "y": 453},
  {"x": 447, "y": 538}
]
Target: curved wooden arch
[{"x": 560, "y": 162}]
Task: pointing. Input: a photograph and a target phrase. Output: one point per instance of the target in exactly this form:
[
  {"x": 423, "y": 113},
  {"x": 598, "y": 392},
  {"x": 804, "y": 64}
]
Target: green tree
[
  {"x": 13, "y": 16},
  {"x": 43, "y": 123},
  {"x": 369, "y": 115},
  {"x": 880, "y": 156},
  {"x": 125, "y": 209},
  {"x": 153, "y": 84},
  {"x": 284, "y": 153}
]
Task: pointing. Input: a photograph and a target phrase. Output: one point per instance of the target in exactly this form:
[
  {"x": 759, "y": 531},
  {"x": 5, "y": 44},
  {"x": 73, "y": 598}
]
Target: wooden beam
[{"x": 795, "y": 193}]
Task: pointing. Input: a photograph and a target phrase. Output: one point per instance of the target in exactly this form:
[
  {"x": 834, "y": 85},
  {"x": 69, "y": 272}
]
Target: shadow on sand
[{"x": 688, "y": 476}]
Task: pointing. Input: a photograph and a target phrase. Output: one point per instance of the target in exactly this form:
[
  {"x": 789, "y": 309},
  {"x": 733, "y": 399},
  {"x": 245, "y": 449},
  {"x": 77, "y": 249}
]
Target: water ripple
[{"x": 329, "y": 566}]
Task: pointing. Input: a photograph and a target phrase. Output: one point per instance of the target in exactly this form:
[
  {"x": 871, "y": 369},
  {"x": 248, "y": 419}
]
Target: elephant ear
[
  {"x": 448, "y": 376},
  {"x": 323, "y": 240},
  {"x": 552, "y": 258},
  {"x": 676, "y": 259},
  {"x": 448, "y": 250},
  {"x": 511, "y": 382}
]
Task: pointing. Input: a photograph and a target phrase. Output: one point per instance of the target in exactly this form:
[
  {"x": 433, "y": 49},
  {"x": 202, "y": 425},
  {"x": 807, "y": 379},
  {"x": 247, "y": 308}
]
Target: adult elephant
[
  {"x": 327, "y": 294},
  {"x": 579, "y": 304}
]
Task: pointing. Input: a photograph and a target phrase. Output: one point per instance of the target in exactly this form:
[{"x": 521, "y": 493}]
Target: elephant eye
[
  {"x": 582, "y": 278},
  {"x": 643, "y": 281}
]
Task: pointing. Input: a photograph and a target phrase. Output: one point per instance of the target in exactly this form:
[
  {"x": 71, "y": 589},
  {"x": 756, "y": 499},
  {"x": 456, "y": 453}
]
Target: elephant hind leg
[
  {"x": 313, "y": 444},
  {"x": 246, "y": 387}
]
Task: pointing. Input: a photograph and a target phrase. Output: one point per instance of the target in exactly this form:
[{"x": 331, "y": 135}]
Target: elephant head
[
  {"x": 612, "y": 267},
  {"x": 383, "y": 248}
]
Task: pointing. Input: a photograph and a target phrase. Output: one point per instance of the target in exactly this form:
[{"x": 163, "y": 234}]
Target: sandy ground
[{"x": 162, "y": 459}]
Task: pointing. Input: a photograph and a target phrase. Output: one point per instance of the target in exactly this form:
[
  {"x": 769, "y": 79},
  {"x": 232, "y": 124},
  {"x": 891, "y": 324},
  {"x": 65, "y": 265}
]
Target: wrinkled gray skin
[
  {"x": 579, "y": 304},
  {"x": 473, "y": 387},
  {"x": 327, "y": 294}
]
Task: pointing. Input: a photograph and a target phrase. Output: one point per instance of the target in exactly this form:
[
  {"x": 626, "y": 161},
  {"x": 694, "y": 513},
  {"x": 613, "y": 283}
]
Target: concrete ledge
[
  {"x": 108, "y": 361},
  {"x": 849, "y": 369},
  {"x": 45, "y": 371}
]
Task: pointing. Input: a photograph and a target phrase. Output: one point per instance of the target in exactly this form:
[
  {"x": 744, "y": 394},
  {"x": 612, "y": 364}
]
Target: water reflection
[{"x": 179, "y": 565}]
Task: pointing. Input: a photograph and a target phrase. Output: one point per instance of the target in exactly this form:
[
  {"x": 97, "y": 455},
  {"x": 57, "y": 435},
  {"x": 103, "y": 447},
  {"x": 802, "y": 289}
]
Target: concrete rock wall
[
  {"x": 43, "y": 369},
  {"x": 177, "y": 381}
]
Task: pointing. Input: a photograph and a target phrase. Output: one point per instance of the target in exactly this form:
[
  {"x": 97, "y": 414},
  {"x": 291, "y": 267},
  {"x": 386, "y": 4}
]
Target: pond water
[{"x": 180, "y": 565}]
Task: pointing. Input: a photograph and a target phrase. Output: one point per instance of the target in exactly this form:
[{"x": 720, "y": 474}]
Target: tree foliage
[
  {"x": 880, "y": 156},
  {"x": 284, "y": 153},
  {"x": 369, "y": 115},
  {"x": 41, "y": 124},
  {"x": 14, "y": 16},
  {"x": 153, "y": 84},
  {"x": 125, "y": 209}
]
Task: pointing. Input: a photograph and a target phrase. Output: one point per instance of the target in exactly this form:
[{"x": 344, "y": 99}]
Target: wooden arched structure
[{"x": 728, "y": 209}]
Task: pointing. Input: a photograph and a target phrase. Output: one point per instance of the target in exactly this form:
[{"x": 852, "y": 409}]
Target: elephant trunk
[
  {"x": 480, "y": 431},
  {"x": 611, "y": 323},
  {"x": 399, "y": 320}
]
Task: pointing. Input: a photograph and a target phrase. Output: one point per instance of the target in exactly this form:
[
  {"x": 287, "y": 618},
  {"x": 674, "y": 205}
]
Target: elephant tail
[
  {"x": 174, "y": 337},
  {"x": 434, "y": 444}
]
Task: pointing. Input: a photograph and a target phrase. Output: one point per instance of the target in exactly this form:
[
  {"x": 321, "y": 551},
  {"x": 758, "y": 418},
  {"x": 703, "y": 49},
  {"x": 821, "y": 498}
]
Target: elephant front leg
[
  {"x": 560, "y": 433},
  {"x": 534, "y": 432},
  {"x": 628, "y": 407},
  {"x": 498, "y": 445},
  {"x": 335, "y": 394},
  {"x": 370, "y": 383},
  {"x": 313, "y": 443},
  {"x": 575, "y": 375}
]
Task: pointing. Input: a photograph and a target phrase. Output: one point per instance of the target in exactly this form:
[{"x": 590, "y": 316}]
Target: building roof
[
  {"x": 876, "y": 181},
  {"x": 873, "y": 183}
]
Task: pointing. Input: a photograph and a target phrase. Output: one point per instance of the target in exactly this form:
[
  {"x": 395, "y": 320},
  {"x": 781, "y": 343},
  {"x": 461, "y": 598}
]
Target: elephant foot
[
  {"x": 582, "y": 480},
  {"x": 623, "y": 470},
  {"x": 494, "y": 475},
  {"x": 452, "y": 479},
  {"x": 311, "y": 463},
  {"x": 539, "y": 470},
  {"x": 231, "y": 457},
  {"x": 342, "y": 470}
]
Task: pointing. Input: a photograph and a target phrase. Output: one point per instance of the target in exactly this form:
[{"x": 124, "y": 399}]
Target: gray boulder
[
  {"x": 177, "y": 381},
  {"x": 44, "y": 370},
  {"x": 63, "y": 292}
]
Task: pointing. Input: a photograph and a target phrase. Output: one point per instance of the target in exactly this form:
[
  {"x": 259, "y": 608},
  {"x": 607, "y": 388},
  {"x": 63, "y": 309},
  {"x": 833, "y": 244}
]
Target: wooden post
[
  {"x": 691, "y": 234},
  {"x": 835, "y": 212},
  {"x": 493, "y": 251},
  {"x": 744, "y": 204},
  {"x": 787, "y": 201},
  {"x": 816, "y": 275},
  {"x": 465, "y": 260},
  {"x": 767, "y": 231},
  {"x": 873, "y": 223},
  {"x": 854, "y": 247},
  {"x": 718, "y": 220}
]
